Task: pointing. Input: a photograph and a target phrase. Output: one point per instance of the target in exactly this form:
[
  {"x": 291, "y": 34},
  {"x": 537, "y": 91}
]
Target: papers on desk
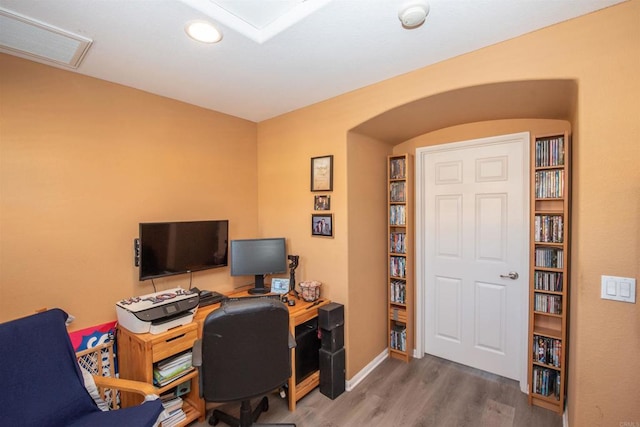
[{"x": 172, "y": 368}]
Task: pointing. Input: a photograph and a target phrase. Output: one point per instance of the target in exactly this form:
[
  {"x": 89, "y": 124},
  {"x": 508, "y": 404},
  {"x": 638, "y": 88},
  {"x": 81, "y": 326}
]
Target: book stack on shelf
[
  {"x": 400, "y": 256},
  {"x": 173, "y": 406},
  {"x": 549, "y": 285},
  {"x": 172, "y": 368}
]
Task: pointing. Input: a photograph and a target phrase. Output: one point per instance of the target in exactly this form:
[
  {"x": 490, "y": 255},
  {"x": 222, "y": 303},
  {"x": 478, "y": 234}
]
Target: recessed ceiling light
[{"x": 203, "y": 31}]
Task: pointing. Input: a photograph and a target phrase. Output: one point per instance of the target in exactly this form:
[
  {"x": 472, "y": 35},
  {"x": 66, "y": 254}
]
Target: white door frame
[{"x": 420, "y": 169}]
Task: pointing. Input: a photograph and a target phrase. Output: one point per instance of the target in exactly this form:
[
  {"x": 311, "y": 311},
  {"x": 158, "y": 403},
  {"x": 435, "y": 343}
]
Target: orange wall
[
  {"x": 601, "y": 52},
  {"x": 367, "y": 230},
  {"x": 83, "y": 162}
]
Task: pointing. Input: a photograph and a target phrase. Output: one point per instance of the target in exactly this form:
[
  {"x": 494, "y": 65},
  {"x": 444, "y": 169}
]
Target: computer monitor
[{"x": 258, "y": 257}]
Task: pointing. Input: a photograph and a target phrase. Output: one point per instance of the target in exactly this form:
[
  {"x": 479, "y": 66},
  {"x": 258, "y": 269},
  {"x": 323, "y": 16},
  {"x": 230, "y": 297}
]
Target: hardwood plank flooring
[{"x": 428, "y": 392}]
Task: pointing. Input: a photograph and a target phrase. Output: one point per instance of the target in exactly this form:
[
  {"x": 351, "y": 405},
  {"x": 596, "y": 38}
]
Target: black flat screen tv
[
  {"x": 168, "y": 248},
  {"x": 258, "y": 257}
]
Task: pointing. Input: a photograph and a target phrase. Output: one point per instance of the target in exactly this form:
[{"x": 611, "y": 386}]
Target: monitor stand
[{"x": 258, "y": 288}]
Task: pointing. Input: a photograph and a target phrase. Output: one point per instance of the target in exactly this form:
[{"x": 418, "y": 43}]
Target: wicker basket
[{"x": 310, "y": 290}]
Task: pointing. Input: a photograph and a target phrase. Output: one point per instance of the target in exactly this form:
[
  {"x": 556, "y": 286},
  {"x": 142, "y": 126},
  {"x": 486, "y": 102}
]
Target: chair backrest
[
  {"x": 245, "y": 349},
  {"x": 40, "y": 375}
]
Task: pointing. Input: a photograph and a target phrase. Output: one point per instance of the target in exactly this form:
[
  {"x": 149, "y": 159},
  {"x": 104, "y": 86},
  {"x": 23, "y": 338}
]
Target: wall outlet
[{"x": 618, "y": 288}]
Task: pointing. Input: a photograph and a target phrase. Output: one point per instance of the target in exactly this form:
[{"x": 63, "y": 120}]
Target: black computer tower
[{"x": 307, "y": 347}]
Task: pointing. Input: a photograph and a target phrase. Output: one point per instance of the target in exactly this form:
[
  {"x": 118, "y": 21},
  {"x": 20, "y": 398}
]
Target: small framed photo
[
  {"x": 279, "y": 286},
  {"x": 322, "y": 203},
  {"x": 322, "y": 173},
  {"x": 322, "y": 225}
]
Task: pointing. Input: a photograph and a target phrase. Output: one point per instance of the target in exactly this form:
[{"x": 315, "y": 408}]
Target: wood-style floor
[{"x": 426, "y": 392}]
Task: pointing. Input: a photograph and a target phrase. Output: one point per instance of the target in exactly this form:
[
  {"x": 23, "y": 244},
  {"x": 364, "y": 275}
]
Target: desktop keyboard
[
  {"x": 271, "y": 296},
  {"x": 211, "y": 298}
]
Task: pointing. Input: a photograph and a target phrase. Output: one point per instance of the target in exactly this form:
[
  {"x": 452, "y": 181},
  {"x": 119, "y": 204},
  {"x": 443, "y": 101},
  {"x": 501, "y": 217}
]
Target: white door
[{"x": 474, "y": 214}]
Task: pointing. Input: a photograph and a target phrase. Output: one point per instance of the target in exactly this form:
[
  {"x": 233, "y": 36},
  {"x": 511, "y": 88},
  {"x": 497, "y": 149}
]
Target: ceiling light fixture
[
  {"x": 413, "y": 14},
  {"x": 203, "y": 31}
]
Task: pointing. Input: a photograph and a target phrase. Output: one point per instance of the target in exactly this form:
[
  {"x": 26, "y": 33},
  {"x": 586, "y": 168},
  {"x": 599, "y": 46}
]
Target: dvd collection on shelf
[
  {"x": 397, "y": 192},
  {"x": 546, "y": 382},
  {"x": 547, "y": 351},
  {"x": 549, "y": 257},
  {"x": 399, "y": 337},
  {"x": 397, "y": 169},
  {"x": 397, "y": 242},
  {"x": 397, "y": 266},
  {"x": 398, "y": 290},
  {"x": 548, "y": 228},
  {"x": 547, "y": 281},
  {"x": 397, "y": 215},
  {"x": 549, "y": 184},
  {"x": 550, "y": 151},
  {"x": 550, "y": 246},
  {"x": 551, "y": 304}
]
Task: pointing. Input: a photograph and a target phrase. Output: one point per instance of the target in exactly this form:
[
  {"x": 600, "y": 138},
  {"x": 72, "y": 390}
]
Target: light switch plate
[{"x": 618, "y": 288}]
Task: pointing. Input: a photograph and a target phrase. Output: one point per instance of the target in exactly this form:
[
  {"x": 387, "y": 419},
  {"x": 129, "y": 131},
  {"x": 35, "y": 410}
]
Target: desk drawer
[{"x": 173, "y": 342}]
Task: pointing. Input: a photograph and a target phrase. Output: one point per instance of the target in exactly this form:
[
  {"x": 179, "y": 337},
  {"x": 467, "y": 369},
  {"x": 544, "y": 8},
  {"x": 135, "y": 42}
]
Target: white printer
[{"x": 157, "y": 312}]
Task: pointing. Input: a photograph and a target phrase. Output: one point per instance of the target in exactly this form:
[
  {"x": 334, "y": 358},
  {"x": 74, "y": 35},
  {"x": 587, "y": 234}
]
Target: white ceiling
[{"x": 280, "y": 55}]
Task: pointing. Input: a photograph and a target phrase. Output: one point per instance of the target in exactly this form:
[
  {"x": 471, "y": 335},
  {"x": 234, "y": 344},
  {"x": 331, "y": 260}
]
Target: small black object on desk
[
  {"x": 292, "y": 273},
  {"x": 209, "y": 297}
]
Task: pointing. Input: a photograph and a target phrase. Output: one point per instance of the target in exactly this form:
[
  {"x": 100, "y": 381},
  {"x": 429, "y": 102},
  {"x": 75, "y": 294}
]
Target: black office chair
[{"x": 245, "y": 352}]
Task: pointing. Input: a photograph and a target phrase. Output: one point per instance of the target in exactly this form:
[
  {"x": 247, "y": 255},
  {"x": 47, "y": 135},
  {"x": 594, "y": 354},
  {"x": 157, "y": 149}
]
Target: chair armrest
[{"x": 139, "y": 387}]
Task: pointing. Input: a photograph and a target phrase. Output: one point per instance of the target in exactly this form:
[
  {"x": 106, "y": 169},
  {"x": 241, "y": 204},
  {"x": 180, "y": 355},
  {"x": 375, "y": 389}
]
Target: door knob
[{"x": 512, "y": 275}]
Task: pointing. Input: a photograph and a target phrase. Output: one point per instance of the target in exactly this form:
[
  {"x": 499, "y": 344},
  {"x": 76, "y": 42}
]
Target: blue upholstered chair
[{"x": 43, "y": 385}]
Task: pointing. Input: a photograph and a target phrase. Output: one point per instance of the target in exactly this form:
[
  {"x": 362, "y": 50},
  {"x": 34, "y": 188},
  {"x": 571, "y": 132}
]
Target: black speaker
[
  {"x": 331, "y": 315},
  {"x": 332, "y": 339},
  {"x": 332, "y": 373}
]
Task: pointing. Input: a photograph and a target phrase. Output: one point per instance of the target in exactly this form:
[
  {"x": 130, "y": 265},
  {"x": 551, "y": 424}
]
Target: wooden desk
[{"x": 138, "y": 352}]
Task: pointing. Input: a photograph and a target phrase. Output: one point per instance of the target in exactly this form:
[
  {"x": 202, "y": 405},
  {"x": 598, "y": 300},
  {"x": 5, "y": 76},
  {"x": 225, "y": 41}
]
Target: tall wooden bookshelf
[
  {"x": 400, "y": 248},
  {"x": 549, "y": 270}
]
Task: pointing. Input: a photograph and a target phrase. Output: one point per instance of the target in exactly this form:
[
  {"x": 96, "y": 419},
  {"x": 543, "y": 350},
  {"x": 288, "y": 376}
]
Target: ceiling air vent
[{"x": 26, "y": 37}]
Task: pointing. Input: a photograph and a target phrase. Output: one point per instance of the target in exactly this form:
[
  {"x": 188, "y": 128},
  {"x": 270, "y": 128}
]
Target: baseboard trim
[{"x": 355, "y": 380}]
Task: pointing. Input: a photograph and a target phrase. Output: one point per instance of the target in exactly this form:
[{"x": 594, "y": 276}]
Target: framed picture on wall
[
  {"x": 322, "y": 203},
  {"x": 322, "y": 173},
  {"x": 322, "y": 225}
]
